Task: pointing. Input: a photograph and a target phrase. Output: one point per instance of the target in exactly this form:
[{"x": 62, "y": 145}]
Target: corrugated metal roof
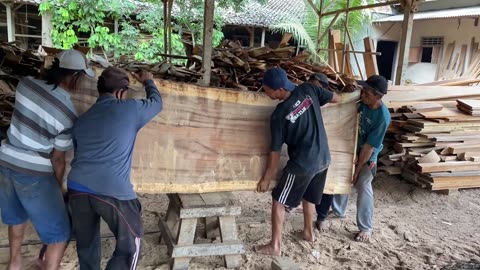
[{"x": 437, "y": 14}]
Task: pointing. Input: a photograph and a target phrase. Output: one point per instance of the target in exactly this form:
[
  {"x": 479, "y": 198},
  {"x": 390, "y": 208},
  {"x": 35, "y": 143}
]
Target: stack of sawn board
[{"x": 434, "y": 145}]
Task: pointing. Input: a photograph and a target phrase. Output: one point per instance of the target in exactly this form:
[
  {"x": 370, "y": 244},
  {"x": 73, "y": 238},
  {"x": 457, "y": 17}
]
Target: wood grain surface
[{"x": 211, "y": 139}]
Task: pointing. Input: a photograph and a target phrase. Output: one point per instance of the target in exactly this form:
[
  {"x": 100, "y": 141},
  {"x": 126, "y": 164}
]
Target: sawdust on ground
[{"x": 414, "y": 229}]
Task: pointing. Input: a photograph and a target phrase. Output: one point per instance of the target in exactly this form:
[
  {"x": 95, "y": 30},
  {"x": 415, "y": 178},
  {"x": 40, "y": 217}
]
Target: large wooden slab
[{"x": 209, "y": 139}]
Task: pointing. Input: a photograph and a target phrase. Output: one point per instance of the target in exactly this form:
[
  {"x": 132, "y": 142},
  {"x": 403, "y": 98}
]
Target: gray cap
[
  {"x": 75, "y": 60},
  {"x": 322, "y": 78}
]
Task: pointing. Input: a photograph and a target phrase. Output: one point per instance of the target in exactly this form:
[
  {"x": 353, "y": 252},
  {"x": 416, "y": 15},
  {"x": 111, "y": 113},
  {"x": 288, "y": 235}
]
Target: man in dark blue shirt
[
  {"x": 297, "y": 122},
  {"x": 99, "y": 181},
  {"x": 374, "y": 121}
]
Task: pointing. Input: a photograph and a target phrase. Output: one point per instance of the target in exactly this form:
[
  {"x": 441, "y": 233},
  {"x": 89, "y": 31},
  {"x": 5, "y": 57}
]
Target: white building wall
[{"x": 458, "y": 30}]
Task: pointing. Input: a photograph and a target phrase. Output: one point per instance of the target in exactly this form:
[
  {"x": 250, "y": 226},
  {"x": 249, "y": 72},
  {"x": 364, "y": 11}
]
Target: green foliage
[
  {"x": 73, "y": 18},
  {"x": 306, "y": 32},
  {"x": 298, "y": 31},
  {"x": 190, "y": 18},
  {"x": 145, "y": 41}
]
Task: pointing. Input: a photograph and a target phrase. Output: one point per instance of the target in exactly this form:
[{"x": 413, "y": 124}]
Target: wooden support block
[
  {"x": 186, "y": 231},
  {"x": 167, "y": 236},
  {"x": 186, "y": 234},
  {"x": 201, "y": 250},
  {"x": 448, "y": 158},
  {"x": 210, "y": 212},
  {"x": 229, "y": 233},
  {"x": 453, "y": 191},
  {"x": 180, "y": 264},
  {"x": 172, "y": 219},
  {"x": 284, "y": 263},
  {"x": 431, "y": 157}
]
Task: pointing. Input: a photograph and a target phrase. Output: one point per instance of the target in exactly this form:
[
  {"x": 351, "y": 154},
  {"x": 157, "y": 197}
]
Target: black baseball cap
[
  {"x": 322, "y": 78},
  {"x": 276, "y": 78},
  {"x": 375, "y": 82}
]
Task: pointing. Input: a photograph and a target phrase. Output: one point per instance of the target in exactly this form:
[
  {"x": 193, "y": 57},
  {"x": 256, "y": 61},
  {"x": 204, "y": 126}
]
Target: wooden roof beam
[{"x": 388, "y": 3}]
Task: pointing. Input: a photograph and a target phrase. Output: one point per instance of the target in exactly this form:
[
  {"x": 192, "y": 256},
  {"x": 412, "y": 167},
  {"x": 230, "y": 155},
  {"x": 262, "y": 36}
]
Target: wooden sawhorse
[{"x": 179, "y": 227}]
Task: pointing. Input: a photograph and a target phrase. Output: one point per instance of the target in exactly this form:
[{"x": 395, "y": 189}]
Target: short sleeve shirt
[
  {"x": 297, "y": 122},
  {"x": 372, "y": 128},
  {"x": 42, "y": 121}
]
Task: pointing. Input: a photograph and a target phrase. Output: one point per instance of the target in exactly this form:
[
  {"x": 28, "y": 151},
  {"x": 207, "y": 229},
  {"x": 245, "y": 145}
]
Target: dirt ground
[{"x": 414, "y": 229}]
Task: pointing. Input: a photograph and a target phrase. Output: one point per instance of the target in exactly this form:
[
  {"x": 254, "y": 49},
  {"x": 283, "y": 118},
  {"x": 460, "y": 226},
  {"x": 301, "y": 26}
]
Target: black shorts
[{"x": 292, "y": 188}]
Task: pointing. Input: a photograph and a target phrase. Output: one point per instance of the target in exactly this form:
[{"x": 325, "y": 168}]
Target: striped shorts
[{"x": 292, "y": 188}]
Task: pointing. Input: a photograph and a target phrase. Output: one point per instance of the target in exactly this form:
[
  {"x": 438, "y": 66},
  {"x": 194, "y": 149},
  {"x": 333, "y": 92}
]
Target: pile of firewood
[{"x": 234, "y": 66}]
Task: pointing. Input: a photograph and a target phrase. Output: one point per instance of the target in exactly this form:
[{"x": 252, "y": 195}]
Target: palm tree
[{"x": 306, "y": 32}]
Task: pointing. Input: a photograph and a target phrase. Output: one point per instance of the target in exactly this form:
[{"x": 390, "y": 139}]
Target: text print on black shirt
[{"x": 300, "y": 109}]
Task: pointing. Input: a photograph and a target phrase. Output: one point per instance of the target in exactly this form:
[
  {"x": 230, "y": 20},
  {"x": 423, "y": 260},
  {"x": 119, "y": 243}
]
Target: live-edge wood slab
[{"x": 213, "y": 139}]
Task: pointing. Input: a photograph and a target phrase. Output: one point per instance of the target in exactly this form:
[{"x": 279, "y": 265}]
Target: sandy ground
[{"x": 414, "y": 229}]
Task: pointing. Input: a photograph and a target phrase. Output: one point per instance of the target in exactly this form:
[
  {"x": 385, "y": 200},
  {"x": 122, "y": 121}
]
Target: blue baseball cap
[{"x": 276, "y": 78}]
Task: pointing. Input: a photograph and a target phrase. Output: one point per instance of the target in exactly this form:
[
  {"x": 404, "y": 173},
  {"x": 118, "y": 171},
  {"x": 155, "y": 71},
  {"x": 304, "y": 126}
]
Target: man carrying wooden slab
[
  {"x": 373, "y": 124},
  {"x": 296, "y": 121},
  {"x": 99, "y": 182},
  {"x": 32, "y": 158}
]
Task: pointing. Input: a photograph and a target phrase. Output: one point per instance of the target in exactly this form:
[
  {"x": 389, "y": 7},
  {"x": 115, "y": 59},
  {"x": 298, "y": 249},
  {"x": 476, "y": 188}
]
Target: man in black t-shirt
[{"x": 297, "y": 121}]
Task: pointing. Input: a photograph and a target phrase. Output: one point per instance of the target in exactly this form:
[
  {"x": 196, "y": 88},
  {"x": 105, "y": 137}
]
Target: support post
[
  {"x": 382, "y": 4},
  {"x": 319, "y": 31},
  {"x": 404, "y": 43},
  {"x": 167, "y": 28},
  {"x": 344, "y": 54},
  {"x": 170, "y": 6},
  {"x": 262, "y": 42},
  {"x": 10, "y": 23},
  {"x": 47, "y": 27},
  {"x": 353, "y": 49},
  {"x": 207, "y": 41},
  {"x": 115, "y": 26},
  {"x": 327, "y": 30},
  {"x": 252, "y": 36},
  {"x": 165, "y": 36}
]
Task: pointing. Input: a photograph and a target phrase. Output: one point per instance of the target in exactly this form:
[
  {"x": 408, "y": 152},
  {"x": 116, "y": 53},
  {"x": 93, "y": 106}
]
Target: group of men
[
  {"x": 45, "y": 125},
  {"x": 297, "y": 122}
]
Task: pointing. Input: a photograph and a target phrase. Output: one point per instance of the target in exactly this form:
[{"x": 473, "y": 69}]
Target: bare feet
[
  {"x": 268, "y": 249},
  {"x": 308, "y": 235},
  {"x": 40, "y": 264},
  {"x": 15, "y": 265},
  {"x": 363, "y": 237},
  {"x": 321, "y": 226}
]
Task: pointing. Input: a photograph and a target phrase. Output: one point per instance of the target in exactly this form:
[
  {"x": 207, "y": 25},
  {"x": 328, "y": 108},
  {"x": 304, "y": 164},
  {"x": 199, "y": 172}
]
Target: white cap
[{"x": 75, "y": 60}]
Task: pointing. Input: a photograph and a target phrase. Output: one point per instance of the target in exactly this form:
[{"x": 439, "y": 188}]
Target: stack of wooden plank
[
  {"x": 434, "y": 145},
  {"x": 470, "y": 107}
]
